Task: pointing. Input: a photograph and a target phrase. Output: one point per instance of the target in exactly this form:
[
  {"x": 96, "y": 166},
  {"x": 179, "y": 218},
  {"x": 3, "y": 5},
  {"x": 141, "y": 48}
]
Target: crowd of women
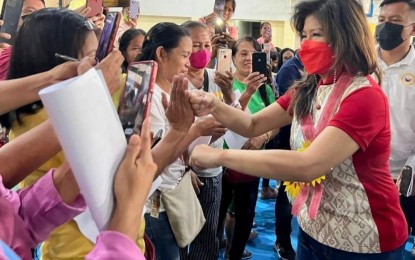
[{"x": 332, "y": 162}]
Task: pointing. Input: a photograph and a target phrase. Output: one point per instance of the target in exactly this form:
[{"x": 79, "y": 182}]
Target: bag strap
[
  {"x": 205, "y": 81},
  {"x": 186, "y": 157}
]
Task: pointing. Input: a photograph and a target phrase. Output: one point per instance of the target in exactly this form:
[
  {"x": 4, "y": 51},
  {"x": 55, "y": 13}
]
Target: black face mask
[{"x": 389, "y": 36}]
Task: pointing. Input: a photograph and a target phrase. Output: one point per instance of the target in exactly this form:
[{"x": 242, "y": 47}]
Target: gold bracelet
[{"x": 268, "y": 137}]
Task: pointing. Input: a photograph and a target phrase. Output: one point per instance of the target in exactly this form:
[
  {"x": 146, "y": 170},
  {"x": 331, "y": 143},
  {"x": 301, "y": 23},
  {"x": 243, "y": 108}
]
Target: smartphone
[
  {"x": 96, "y": 7},
  {"x": 10, "y": 14},
  {"x": 157, "y": 138},
  {"x": 106, "y": 41},
  {"x": 220, "y": 26},
  {"x": 219, "y": 7},
  {"x": 136, "y": 99},
  {"x": 224, "y": 60},
  {"x": 259, "y": 63},
  {"x": 134, "y": 9},
  {"x": 266, "y": 48},
  {"x": 406, "y": 184}
]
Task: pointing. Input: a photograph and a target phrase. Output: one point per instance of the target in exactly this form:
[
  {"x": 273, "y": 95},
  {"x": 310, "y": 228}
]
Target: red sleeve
[
  {"x": 285, "y": 100},
  {"x": 360, "y": 119}
]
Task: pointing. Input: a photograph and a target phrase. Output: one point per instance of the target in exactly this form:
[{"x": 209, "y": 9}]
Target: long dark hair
[
  {"x": 345, "y": 27},
  {"x": 166, "y": 35},
  {"x": 280, "y": 58},
  {"x": 44, "y": 33},
  {"x": 262, "y": 89},
  {"x": 125, "y": 40}
]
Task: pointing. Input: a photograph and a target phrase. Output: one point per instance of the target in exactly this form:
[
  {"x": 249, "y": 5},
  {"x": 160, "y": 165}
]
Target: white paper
[
  {"x": 199, "y": 141},
  {"x": 238, "y": 94},
  {"x": 91, "y": 136},
  {"x": 88, "y": 227},
  {"x": 232, "y": 139}
]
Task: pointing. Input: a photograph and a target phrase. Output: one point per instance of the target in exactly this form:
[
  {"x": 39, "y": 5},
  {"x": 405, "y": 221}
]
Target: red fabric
[
  {"x": 368, "y": 124},
  {"x": 5, "y": 62},
  {"x": 285, "y": 100}
]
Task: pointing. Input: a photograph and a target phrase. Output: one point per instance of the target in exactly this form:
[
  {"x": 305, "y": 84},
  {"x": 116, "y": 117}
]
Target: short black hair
[
  {"x": 166, "y": 35},
  {"x": 411, "y": 3}
]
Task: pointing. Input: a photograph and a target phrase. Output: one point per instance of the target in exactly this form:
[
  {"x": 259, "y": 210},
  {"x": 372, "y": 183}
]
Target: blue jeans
[
  {"x": 161, "y": 234},
  {"x": 310, "y": 249}
]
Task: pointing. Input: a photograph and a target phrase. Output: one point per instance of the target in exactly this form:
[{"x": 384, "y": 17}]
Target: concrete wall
[{"x": 277, "y": 12}]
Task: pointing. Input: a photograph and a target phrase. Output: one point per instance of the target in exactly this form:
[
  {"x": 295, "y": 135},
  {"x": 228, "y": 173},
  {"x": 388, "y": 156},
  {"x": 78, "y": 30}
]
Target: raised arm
[
  {"x": 181, "y": 117},
  {"x": 27, "y": 153},
  {"x": 131, "y": 187},
  {"x": 270, "y": 118},
  {"x": 322, "y": 155},
  {"x": 19, "y": 92}
]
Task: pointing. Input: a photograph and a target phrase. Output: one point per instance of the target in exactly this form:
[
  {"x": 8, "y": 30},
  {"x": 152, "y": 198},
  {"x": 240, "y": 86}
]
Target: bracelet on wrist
[
  {"x": 235, "y": 103},
  {"x": 268, "y": 137}
]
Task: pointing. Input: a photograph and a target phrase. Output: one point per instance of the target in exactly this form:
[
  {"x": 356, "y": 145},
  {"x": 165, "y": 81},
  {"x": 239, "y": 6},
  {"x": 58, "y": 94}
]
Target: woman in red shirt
[{"x": 345, "y": 199}]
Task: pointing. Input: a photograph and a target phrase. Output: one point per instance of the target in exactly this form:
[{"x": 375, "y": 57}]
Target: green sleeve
[{"x": 270, "y": 94}]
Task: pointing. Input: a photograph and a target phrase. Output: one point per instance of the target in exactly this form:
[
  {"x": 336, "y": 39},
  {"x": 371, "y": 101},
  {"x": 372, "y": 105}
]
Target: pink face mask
[{"x": 199, "y": 60}]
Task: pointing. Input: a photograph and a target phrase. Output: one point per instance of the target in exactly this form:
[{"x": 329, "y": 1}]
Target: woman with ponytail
[{"x": 338, "y": 175}]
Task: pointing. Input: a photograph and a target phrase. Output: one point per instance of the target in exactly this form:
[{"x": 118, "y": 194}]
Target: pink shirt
[
  {"x": 261, "y": 40},
  {"x": 28, "y": 216}
]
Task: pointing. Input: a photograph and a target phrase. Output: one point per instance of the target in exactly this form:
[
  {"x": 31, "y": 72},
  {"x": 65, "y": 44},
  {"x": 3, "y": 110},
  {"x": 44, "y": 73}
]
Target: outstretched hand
[
  {"x": 179, "y": 110},
  {"x": 204, "y": 157},
  {"x": 202, "y": 102}
]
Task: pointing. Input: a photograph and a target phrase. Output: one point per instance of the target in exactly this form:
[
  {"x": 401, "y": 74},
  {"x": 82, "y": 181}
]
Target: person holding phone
[
  {"x": 80, "y": 7},
  {"x": 227, "y": 13},
  {"x": 28, "y": 218},
  {"x": 128, "y": 21},
  {"x": 266, "y": 35},
  {"x": 207, "y": 182},
  {"x": 170, "y": 46},
  {"x": 255, "y": 96},
  {"x": 78, "y": 40},
  {"x": 59, "y": 187},
  {"x": 341, "y": 145}
]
